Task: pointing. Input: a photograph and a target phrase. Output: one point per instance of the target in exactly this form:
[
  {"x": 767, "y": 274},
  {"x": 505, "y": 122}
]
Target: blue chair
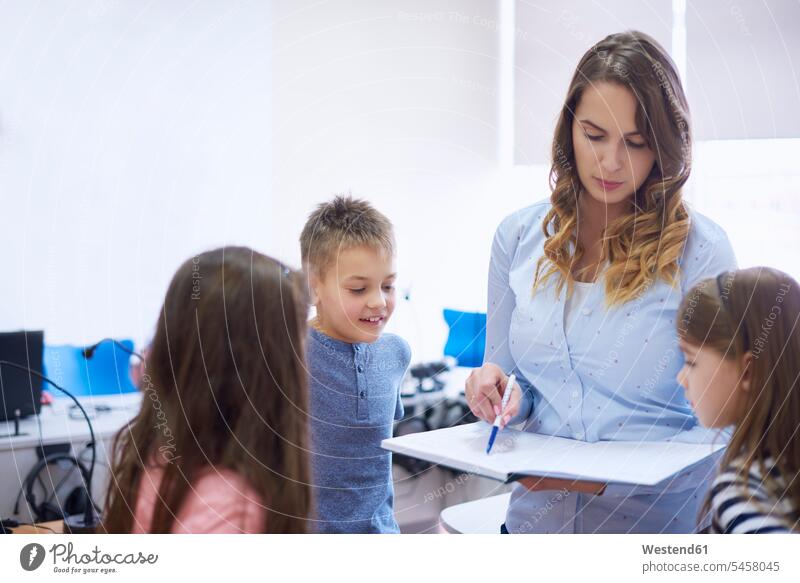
[
  {"x": 105, "y": 373},
  {"x": 467, "y": 338}
]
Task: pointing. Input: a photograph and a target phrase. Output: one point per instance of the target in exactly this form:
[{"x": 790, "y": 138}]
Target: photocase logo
[{"x": 31, "y": 556}]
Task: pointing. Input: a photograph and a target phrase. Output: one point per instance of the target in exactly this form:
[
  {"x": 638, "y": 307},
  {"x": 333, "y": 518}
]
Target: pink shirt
[{"x": 219, "y": 501}]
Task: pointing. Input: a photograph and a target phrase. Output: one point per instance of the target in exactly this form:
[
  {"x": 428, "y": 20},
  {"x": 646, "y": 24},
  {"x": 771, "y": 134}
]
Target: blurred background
[{"x": 136, "y": 134}]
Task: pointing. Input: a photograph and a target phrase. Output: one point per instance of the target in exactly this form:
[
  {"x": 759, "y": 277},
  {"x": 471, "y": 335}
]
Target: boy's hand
[{"x": 484, "y": 392}]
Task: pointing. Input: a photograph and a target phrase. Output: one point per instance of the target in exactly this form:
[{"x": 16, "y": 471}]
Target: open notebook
[{"x": 517, "y": 454}]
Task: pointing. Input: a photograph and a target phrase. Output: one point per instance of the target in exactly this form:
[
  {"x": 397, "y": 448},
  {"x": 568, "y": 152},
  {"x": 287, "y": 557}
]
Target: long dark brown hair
[
  {"x": 224, "y": 386},
  {"x": 755, "y": 310},
  {"x": 644, "y": 244}
]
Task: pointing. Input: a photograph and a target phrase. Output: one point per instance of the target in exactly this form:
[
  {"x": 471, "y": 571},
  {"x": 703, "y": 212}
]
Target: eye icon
[{"x": 31, "y": 556}]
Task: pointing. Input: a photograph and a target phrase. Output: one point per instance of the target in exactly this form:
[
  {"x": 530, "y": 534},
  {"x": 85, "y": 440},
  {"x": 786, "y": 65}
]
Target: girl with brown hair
[
  {"x": 220, "y": 442},
  {"x": 740, "y": 334},
  {"x": 584, "y": 289}
]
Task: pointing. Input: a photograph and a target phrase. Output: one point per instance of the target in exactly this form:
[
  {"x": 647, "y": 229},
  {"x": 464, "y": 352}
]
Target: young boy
[{"x": 355, "y": 371}]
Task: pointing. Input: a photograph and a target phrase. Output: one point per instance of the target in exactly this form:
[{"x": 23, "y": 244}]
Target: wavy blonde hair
[{"x": 643, "y": 245}]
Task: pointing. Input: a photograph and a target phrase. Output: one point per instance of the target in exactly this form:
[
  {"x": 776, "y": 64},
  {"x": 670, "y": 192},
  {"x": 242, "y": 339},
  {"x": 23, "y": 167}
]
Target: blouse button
[{"x": 587, "y": 311}]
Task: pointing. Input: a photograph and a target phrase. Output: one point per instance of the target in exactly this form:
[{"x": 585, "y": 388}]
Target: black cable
[
  {"x": 89, "y": 514},
  {"x": 88, "y": 352},
  {"x": 9, "y": 523},
  {"x": 97, "y": 409},
  {"x": 38, "y": 526},
  {"x": 54, "y": 492}
]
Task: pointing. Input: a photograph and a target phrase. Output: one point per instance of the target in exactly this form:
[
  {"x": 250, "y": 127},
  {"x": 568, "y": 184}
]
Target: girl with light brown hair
[
  {"x": 740, "y": 334},
  {"x": 220, "y": 444}
]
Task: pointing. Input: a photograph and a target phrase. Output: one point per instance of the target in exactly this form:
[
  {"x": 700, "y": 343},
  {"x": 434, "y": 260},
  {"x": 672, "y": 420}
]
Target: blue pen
[{"x": 499, "y": 418}]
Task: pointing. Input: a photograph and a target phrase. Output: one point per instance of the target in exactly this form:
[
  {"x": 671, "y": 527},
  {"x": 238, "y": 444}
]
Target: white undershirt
[{"x": 573, "y": 306}]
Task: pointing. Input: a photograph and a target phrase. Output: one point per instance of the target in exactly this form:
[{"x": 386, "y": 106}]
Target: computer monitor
[{"x": 20, "y": 390}]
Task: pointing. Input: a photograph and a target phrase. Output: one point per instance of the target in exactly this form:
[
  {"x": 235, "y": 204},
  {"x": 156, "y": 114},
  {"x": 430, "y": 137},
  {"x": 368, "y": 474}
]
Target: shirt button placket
[{"x": 361, "y": 384}]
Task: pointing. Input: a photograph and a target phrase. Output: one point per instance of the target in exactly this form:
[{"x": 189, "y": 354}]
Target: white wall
[
  {"x": 132, "y": 135},
  {"x": 396, "y": 102},
  {"x": 551, "y": 36}
]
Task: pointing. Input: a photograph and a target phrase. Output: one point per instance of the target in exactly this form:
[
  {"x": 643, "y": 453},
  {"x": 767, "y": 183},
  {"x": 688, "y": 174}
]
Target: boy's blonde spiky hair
[{"x": 341, "y": 224}]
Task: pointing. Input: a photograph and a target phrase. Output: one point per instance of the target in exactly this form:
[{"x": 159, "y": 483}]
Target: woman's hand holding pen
[{"x": 484, "y": 392}]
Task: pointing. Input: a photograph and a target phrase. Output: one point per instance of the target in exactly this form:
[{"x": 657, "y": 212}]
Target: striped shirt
[{"x": 742, "y": 505}]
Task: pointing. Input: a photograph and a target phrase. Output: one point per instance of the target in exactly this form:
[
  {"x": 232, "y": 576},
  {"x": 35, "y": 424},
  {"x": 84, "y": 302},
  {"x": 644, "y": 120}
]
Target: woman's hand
[
  {"x": 534, "y": 483},
  {"x": 484, "y": 391}
]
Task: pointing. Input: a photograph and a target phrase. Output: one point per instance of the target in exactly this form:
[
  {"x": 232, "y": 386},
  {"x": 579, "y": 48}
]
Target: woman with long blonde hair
[{"x": 584, "y": 289}]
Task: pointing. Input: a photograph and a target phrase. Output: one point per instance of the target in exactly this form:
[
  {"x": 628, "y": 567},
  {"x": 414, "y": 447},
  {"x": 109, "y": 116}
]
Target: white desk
[
  {"x": 18, "y": 454},
  {"x": 479, "y": 517},
  {"x": 454, "y": 382},
  {"x": 419, "y": 500}
]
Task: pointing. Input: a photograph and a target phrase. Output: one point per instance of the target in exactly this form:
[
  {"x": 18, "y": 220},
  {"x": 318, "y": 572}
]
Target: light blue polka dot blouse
[{"x": 611, "y": 376}]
